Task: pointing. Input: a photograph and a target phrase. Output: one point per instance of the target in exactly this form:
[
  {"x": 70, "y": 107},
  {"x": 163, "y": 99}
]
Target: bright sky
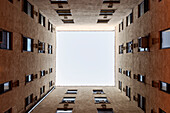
[{"x": 85, "y": 58}]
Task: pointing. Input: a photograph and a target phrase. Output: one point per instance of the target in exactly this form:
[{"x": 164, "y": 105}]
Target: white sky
[{"x": 85, "y": 58}]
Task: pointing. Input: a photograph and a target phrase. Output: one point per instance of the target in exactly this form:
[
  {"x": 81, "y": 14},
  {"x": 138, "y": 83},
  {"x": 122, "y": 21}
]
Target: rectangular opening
[
  {"x": 50, "y": 26},
  {"x": 143, "y": 44},
  {"x": 5, "y": 87},
  {"x": 50, "y": 70},
  {"x": 101, "y": 100},
  {"x": 65, "y": 12},
  {"x": 29, "y": 78},
  {"x": 28, "y": 8},
  {"x": 71, "y": 91},
  {"x": 165, "y": 87},
  {"x": 141, "y": 78},
  {"x": 165, "y": 39},
  {"x": 59, "y": 2},
  {"x": 129, "y": 19},
  {"x": 71, "y": 21},
  {"x": 107, "y": 12},
  {"x": 62, "y": 110},
  {"x": 129, "y": 48},
  {"x": 103, "y": 21},
  {"x": 50, "y": 84},
  {"x": 111, "y": 1},
  {"x": 128, "y": 73},
  {"x": 28, "y": 100},
  {"x": 50, "y": 49},
  {"x": 99, "y": 91},
  {"x": 141, "y": 102},
  {"x": 128, "y": 91},
  {"x": 42, "y": 90},
  {"x": 41, "y": 47},
  {"x": 106, "y": 110},
  {"x": 27, "y": 44},
  {"x": 42, "y": 73},
  {"x": 143, "y": 7},
  {"x": 120, "y": 85},
  {"x": 41, "y": 19},
  {"x": 68, "y": 100},
  {"x": 5, "y": 40}
]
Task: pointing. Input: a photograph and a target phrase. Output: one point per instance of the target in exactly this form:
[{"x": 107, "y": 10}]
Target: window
[
  {"x": 28, "y": 8},
  {"x": 65, "y": 12},
  {"x": 50, "y": 50},
  {"x": 129, "y": 48},
  {"x": 41, "y": 19},
  {"x": 104, "y": 111},
  {"x": 27, "y": 44},
  {"x": 120, "y": 85},
  {"x": 98, "y": 92},
  {"x": 165, "y": 87},
  {"x": 121, "y": 26},
  {"x": 111, "y": 1},
  {"x": 121, "y": 49},
  {"x": 161, "y": 111},
  {"x": 29, "y": 78},
  {"x": 101, "y": 100},
  {"x": 102, "y": 20},
  {"x": 42, "y": 90},
  {"x": 71, "y": 21},
  {"x": 141, "y": 78},
  {"x": 71, "y": 91},
  {"x": 42, "y": 73},
  {"x": 143, "y": 44},
  {"x": 50, "y": 70},
  {"x": 5, "y": 40},
  {"x": 9, "y": 111},
  {"x": 141, "y": 102},
  {"x": 28, "y": 100},
  {"x": 5, "y": 87},
  {"x": 165, "y": 39},
  {"x": 120, "y": 70},
  {"x": 107, "y": 12},
  {"x": 143, "y": 8},
  {"x": 64, "y": 111},
  {"x": 128, "y": 73},
  {"x": 68, "y": 100},
  {"x": 128, "y": 89},
  {"x": 129, "y": 19},
  {"x": 50, "y": 26},
  {"x": 41, "y": 47},
  {"x": 50, "y": 83}
]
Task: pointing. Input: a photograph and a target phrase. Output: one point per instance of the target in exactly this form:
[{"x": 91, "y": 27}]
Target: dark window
[
  {"x": 5, "y": 87},
  {"x": 104, "y": 111},
  {"x": 120, "y": 85},
  {"x": 65, "y": 12},
  {"x": 41, "y": 19},
  {"x": 71, "y": 91},
  {"x": 121, "y": 49},
  {"x": 129, "y": 48},
  {"x": 101, "y": 100},
  {"x": 102, "y": 20},
  {"x": 28, "y": 100},
  {"x": 141, "y": 78},
  {"x": 42, "y": 73},
  {"x": 143, "y": 44},
  {"x": 29, "y": 78},
  {"x": 128, "y": 73},
  {"x": 28, "y": 8},
  {"x": 165, "y": 39},
  {"x": 27, "y": 44},
  {"x": 161, "y": 111},
  {"x": 121, "y": 26},
  {"x": 107, "y": 12},
  {"x": 120, "y": 70},
  {"x": 50, "y": 70},
  {"x": 141, "y": 102},
  {"x": 50, "y": 26},
  {"x": 143, "y": 7},
  {"x": 98, "y": 91},
  {"x": 41, "y": 47},
  {"x": 8, "y": 111},
  {"x": 64, "y": 111},
  {"x": 68, "y": 100},
  {"x": 71, "y": 21},
  {"x": 5, "y": 40},
  {"x": 165, "y": 87},
  {"x": 129, "y": 19},
  {"x": 50, "y": 83},
  {"x": 11, "y": 2},
  {"x": 42, "y": 90},
  {"x": 50, "y": 49},
  {"x": 128, "y": 90}
]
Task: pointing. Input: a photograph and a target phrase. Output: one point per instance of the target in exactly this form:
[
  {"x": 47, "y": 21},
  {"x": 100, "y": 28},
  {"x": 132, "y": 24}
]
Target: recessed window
[
  {"x": 104, "y": 111},
  {"x": 50, "y": 83},
  {"x": 50, "y": 49},
  {"x": 128, "y": 90},
  {"x": 141, "y": 78},
  {"x": 143, "y": 7},
  {"x": 68, "y": 100},
  {"x": 5, "y": 40},
  {"x": 42, "y": 73},
  {"x": 165, "y": 87},
  {"x": 165, "y": 39},
  {"x": 128, "y": 73},
  {"x": 161, "y": 111},
  {"x": 59, "y": 2},
  {"x": 41, "y": 47},
  {"x": 50, "y": 26},
  {"x": 65, "y": 12},
  {"x": 120, "y": 70},
  {"x": 29, "y": 78},
  {"x": 129, "y": 48},
  {"x": 101, "y": 100},
  {"x": 41, "y": 19},
  {"x": 111, "y": 1},
  {"x": 27, "y": 44},
  {"x": 129, "y": 19},
  {"x": 28, "y": 100},
  {"x": 28, "y": 8},
  {"x": 71, "y": 21},
  {"x": 107, "y": 12},
  {"x": 64, "y": 111},
  {"x": 98, "y": 92},
  {"x": 42, "y": 90},
  {"x": 120, "y": 85},
  {"x": 50, "y": 70},
  {"x": 121, "y": 26},
  {"x": 8, "y": 111},
  {"x": 121, "y": 49},
  {"x": 141, "y": 102},
  {"x": 103, "y": 21},
  {"x": 5, "y": 87},
  {"x": 143, "y": 44},
  {"x": 71, "y": 91}
]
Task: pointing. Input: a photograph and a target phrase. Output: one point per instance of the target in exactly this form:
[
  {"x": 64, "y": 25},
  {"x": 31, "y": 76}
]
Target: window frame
[
  {"x": 167, "y": 87},
  {"x": 99, "y": 101},
  {"x": 2, "y": 87},
  {"x": 129, "y": 48},
  {"x": 41, "y": 19},
  {"x": 26, "y": 8},
  {"x": 23, "y": 46},
  {"x": 71, "y": 101},
  {"x": 8, "y": 39},
  {"x": 29, "y": 100},
  {"x": 27, "y": 78},
  {"x": 162, "y": 39},
  {"x": 142, "y": 102}
]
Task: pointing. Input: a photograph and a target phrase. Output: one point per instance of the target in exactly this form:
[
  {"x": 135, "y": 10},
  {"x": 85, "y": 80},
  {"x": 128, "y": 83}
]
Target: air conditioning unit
[
  {"x": 15, "y": 84},
  {"x": 135, "y": 76},
  {"x": 35, "y": 13},
  {"x": 103, "y": 105},
  {"x": 135, "y": 98},
  {"x": 35, "y": 98},
  {"x": 155, "y": 84},
  {"x": 124, "y": 72},
  {"x": 135, "y": 45},
  {"x": 144, "y": 42},
  {"x": 35, "y": 76},
  {"x": 124, "y": 89},
  {"x": 35, "y": 45},
  {"x": 41, "y": 46},
  {"x": 46, "y": 72}
]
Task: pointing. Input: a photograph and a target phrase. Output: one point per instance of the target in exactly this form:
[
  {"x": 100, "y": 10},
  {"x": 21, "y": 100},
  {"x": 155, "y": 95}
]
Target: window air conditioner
[
  {"x": 35, "y": 13},
  {"x": 40, "y": 46},
  {"x": 35, "y": 98},
  {"x": 143, "y": 42},
  {"x": 135, "y": 98},
  {"x": 35, "y": 76},
  {"x": 46, "y": 72},
  {"x": 124, "y": 72},
  {"x": 15, "y": 84},
  {"x": 66, "y": 105},
  {"x": 124, "y": 89},
  {"x": 135, "y": 45},
  {"x": 135, "y": 76},
  {"x": 155, "y": 84},
  {"x": 35, "y": 45}
]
